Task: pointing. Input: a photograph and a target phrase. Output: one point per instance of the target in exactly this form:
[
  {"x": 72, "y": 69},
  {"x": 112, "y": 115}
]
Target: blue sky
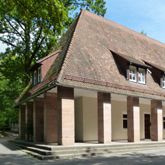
[{"x": 139, "y": 15}]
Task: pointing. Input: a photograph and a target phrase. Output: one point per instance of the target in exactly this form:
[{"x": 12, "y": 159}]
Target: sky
[{"x": 138, "y": 15}]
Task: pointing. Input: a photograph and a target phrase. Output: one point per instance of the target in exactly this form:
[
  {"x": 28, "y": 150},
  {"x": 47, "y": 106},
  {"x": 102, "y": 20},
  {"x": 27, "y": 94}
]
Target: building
[{"x": 107, "y": 83}]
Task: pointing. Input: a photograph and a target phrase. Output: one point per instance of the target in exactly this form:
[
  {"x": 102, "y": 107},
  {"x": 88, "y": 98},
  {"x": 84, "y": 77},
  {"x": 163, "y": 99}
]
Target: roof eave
[{"x": 44, "y": 89}]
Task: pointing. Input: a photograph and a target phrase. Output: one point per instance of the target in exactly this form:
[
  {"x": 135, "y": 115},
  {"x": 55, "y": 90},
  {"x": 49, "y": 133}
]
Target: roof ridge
[
  {"x": 69, "y": 47},
  {"x": 101, "y": 18}
]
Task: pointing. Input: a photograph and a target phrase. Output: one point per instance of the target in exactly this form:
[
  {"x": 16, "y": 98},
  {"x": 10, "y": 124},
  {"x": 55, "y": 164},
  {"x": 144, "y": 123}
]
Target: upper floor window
[
  {"x": 36, "y": 77},
  {"x": 162, "y": 81},
  {"x": 136, "y": 74},
  {"x": 39, "y": 74},
  {"x": 132, "y": 74},
  {"x": 141, "y": 76}
]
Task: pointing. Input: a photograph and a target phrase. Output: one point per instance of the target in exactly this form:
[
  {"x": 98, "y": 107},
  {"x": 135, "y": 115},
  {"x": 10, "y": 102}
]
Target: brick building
[{"x": 107, "y": 83}]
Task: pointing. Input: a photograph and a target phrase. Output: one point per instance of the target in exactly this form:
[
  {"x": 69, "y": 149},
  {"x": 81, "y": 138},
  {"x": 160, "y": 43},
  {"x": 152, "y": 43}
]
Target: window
[
  {"x": 162, "y": 81},
  {"x": 163, "y": 122},
  {"x": 132, "y": 74},
  {"x": 39, "y": 74},
  {"x": 36, "y": 77},
  {"x": 136, "y": 74},
  {"x": 124, "y": 120},
  {"x": 141, "y": 76}
]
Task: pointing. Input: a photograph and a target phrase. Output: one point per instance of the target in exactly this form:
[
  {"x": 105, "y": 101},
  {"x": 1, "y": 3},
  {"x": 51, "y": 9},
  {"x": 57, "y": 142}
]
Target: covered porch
[{"x": 69, "y": 116}]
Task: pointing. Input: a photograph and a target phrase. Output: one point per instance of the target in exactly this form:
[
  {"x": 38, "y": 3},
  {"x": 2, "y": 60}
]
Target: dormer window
[
  {"x": 132, "y": 74},
  {"x": 141, "y": 76},
  {"x": 136, "y": 74},
  {"x": 36, "y": 77},
  {"x": 39, "y": 74},
  {"x": 162, "y": 80}
]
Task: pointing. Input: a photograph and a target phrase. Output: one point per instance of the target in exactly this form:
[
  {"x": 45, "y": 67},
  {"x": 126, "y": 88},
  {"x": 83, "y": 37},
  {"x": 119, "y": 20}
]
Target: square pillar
[
  {"x": 133, "y": 115},
  {"x": 29, "y": 121},
  {"x": 66, "y": 121},
  {"x": 104, "y": 117},
  {"x": 22, "y": 126},
  {"x": 38, "y": 120},
  {"x": 50, "y": 118},
  {"x": 156, "y": 120}
]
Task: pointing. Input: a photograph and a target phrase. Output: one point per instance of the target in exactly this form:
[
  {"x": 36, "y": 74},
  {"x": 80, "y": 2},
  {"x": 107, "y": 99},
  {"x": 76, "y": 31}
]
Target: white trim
[
  {"x": 162, "y": 81},
  {"x": 142, "y": 74},
  {"x": 132, "y": 73}
]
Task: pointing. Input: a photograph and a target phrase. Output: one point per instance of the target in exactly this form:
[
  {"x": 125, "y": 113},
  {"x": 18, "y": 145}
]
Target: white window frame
[
  {"x": 162, "y": 81},
  {"x": 132, "y": 72},
  {"x": 142, "y": 76}
]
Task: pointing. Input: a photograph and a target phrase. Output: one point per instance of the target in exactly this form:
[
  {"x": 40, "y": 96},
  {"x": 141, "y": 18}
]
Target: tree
[{"x": 31, "y": 29}]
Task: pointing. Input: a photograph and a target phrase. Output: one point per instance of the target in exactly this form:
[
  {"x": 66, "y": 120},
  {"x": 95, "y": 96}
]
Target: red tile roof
[{"x": 87, "y": 58}]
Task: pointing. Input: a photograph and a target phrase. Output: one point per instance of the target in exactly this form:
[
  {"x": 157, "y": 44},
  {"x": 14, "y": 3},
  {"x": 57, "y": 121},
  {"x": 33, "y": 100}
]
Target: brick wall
[{"x": 50, "y": 118}]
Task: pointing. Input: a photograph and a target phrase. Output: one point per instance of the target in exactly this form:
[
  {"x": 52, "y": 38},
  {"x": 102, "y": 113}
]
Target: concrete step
[
  {"x": 30, "y": 144},
  {"x": 97, "y": 148},
  {"x": 62, "y": 152},
  {"x": 103, "y": 150},
  {"x": 39, "y": 156},
  {"x": 37, "y": 150}
]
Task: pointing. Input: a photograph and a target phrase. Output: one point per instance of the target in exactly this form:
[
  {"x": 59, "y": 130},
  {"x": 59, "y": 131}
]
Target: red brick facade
[
  {"x": 38, "y": 119},
  {"x": 155, "y": 105},
  {"x": 29, "y": 121},
  {"x": 50, "y": 118}
]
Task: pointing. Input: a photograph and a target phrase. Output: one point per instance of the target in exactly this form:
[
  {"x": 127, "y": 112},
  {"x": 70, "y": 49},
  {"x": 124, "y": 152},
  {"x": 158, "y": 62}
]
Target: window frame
[
  {"x": 131, "y": 68},
  {"x": 144, "y": 71},
  {"x": 162, "y": 81},
  {"x": 138, "y": 70}
]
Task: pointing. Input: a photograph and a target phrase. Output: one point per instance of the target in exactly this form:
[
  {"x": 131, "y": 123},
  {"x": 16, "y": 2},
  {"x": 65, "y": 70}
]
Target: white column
[
  {"x": 107, "y": 122},
  {"x": 104, "y": 118},
  {"x": 136, "y": 123},
  {"x": 160, "y": 124},
  {"x": 133, "y": 113}
]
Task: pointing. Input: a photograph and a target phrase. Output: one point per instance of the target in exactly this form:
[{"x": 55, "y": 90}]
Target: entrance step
[{"x": 78, "y": 151}]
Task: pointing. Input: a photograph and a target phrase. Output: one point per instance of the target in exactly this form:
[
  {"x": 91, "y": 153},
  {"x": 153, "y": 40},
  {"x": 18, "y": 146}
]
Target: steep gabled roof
[
  {"x": 87, "y": 59},
  {"x": 89, "y": 62}
]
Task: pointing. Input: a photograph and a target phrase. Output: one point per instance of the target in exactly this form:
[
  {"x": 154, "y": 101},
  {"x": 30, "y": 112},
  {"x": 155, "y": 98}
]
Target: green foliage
[
  {"x": 31, "y": 29},
  {"x": 8, "y": 92}
]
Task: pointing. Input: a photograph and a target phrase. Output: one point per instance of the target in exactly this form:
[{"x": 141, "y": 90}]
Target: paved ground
[{"x": 11, "y": 155}]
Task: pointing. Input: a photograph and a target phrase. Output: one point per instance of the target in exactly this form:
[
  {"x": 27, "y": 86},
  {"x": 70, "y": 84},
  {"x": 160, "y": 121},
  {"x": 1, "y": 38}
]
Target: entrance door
[{"x": 147, "y": 126}]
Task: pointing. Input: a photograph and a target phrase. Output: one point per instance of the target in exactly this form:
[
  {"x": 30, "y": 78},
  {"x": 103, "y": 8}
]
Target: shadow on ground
[
  {"x": 12, "y": 155},
  {"x": 129, "y": 159}
]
